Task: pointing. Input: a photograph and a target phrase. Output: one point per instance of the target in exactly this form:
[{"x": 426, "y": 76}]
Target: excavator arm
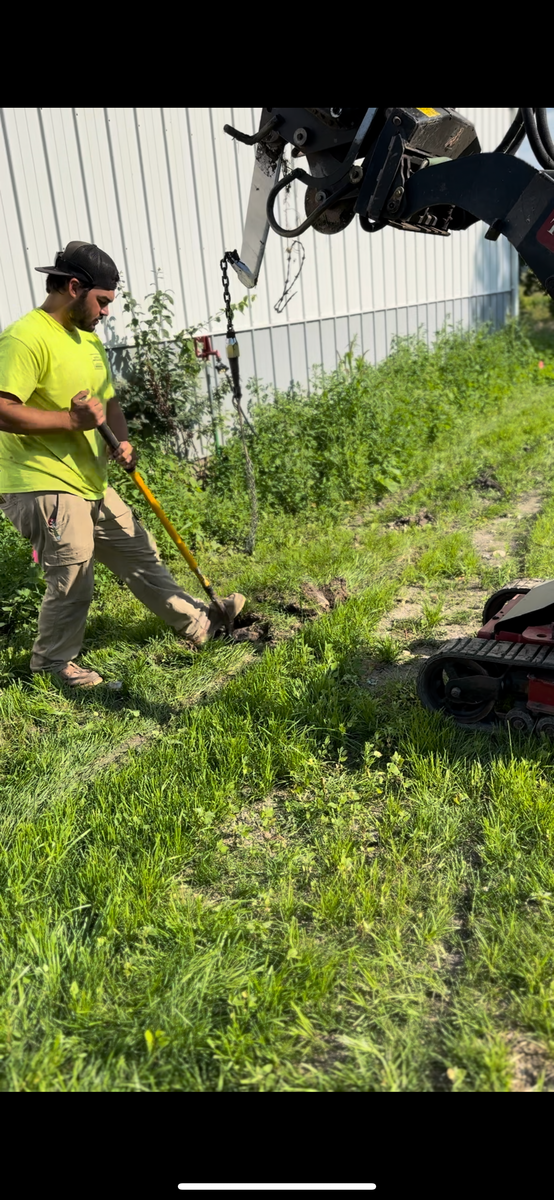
[{"x": 421, "y": 170}]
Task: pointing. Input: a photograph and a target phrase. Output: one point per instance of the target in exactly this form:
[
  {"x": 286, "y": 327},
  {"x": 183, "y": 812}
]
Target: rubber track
[
  {"x": 515, "y": 653},
  {"x": 519, "y": 654}
]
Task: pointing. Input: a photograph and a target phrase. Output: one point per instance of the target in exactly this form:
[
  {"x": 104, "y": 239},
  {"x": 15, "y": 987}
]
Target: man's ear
[{"x": 75, "y": 287}]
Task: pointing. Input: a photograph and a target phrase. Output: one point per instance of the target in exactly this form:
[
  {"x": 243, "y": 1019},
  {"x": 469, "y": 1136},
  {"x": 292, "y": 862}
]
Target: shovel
[{"x": 190, "y": 560}]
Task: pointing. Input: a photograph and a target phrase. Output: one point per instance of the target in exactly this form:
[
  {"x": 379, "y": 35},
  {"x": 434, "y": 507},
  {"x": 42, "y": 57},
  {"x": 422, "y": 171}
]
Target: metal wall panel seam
[
  {"x": 150, "y": 127},
  {"x": 198, "y": 214},
  {"x": 63, "y": 121},
  {"x": 117, "y": 204},
  {"x": 30, "y": 187},
  {"x": 125, "y": 157},
  {"x": 145, "y": 195},
  {"x": 16, "y": 202},
  {"x": 174, "y": 217},
  {"x": 49, "y": 177},
  {"x": 272, "y": 351},
  {"x": 82, "y": 169}
]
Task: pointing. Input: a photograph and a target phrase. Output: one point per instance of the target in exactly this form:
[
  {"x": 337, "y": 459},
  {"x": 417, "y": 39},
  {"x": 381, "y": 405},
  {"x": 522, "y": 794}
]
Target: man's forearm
[
  {"x": 116, "y": 420},
  {"x": 16, "y": 417}
]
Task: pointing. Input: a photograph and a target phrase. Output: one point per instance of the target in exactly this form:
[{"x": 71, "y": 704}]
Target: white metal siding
[{"x": 164, "y": 191}]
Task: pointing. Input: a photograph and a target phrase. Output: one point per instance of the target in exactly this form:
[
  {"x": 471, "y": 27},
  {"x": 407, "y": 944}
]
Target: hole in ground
[{"x": 244, "y": 620}]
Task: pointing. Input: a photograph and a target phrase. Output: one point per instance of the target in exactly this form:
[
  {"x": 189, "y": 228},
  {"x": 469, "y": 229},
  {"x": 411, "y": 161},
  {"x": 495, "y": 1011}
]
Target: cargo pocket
[{"x": 68, "y": 533}]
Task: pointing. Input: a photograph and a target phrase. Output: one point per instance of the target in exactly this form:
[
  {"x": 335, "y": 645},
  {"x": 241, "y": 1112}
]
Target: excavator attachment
[{"x": 417, "y": 169}]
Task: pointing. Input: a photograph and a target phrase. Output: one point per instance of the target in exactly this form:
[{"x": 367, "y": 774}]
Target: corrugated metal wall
[{"x": 164, "y": 191}]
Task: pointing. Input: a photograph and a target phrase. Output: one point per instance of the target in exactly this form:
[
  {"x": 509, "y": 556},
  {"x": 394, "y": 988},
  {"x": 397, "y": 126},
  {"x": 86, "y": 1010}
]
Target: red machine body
[{"x": 506, "y": 673}]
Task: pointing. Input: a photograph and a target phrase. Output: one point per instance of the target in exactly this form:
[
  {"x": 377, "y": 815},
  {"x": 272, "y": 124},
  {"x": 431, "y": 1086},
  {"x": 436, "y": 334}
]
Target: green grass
[{"x": 259, "y": 872}]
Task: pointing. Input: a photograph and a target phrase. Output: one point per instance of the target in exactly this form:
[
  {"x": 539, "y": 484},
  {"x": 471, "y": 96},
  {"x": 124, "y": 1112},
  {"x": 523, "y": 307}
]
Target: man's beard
[{"x": 81, "y": 317}]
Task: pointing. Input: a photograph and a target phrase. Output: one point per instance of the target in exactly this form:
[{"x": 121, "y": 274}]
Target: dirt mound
[
  {"x": 486, "y": 480},
  {"x": 327, "y": 595},
  {"x": 422, "y": 518},
  {"x": 336, "y": 591},
  {"x": 253, "y": 627},
  {"x": 319, "y": 599}
]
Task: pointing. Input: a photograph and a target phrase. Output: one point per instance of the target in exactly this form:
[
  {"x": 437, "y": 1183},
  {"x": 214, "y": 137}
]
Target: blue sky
[{"x": 525, "y": 149}]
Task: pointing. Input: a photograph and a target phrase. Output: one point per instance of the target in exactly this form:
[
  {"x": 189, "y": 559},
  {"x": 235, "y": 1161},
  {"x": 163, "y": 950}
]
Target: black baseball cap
[{"x": 87, "y": 263}]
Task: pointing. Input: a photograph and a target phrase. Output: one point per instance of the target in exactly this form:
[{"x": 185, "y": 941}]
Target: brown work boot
[
  {"x": 214, "y": 621},
  {"x": 75, "y": 676}
]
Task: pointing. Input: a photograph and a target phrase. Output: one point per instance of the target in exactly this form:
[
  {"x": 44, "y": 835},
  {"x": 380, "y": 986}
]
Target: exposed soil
[
  {"x": 531, "y": 1064},
  {"x": 487, "y": 481},
  {"x": 499, "y": 537},
  {"x": 406, "y": 622},
  {"x": 463, "y": 603},
  {"x": 315, "y": 601},
  {"x": 423, "y": 518}
]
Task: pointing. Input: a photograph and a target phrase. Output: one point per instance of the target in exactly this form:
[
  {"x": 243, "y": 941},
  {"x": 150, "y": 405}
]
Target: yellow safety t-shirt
[{"x": 45, "y": 365}]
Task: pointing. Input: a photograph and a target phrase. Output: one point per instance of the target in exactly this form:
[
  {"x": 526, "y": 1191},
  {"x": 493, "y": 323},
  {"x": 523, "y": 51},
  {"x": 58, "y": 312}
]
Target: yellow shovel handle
[
  {"x": 180, "y": 544},
  {"x": 112, "y": 441}
]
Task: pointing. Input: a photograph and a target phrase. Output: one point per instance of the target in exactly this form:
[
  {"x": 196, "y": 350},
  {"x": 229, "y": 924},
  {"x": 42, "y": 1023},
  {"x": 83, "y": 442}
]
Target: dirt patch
[
  {"x": 499, "y": 538},
  {"x": 529, "y": 505},
  {"x": 422, "y": 518},
  {"x": 316, "y": 600},
  {"x": 407, "y": 611},
  {"x": 405, "y": 623},
  {"x": 322, "y": 598},
  {"x": 493, "y": 542},
  {"x": 487, "y": 481},
  {"x": 336, "y": 591},
  {"x": 330, "y": 1052},
  {"x": 530, "y": 1063},
  {"x": 253, "y": 634},
  {"x": 376, "y": 674},
  {"x": 463, "y": 605},
  {"x": 406, "y": 619},
  {"x": 245, "y": 620},
  {"x": 524, "y": 583}
]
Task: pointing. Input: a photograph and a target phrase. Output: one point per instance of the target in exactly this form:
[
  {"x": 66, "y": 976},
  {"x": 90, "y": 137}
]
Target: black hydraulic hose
[
  {"x": 535, "y": 141},
  {"x": 513, "y": 138},
  {"x": 517, "y": 141},
  {"x": 544, "y": 132},
  {"x": 317, "y": 212},
  {"x": 518, "y": 138}
]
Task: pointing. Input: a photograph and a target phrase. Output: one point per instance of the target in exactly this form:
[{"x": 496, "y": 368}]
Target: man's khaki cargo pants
[{"x": 68, "y": 534}]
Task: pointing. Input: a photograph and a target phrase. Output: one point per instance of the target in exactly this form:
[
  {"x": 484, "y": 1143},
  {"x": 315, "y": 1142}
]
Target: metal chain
[
  {"x": 231, "y": 336},
  {"x": 227, "y": 296},
  {"x": 237, "y": 396}
]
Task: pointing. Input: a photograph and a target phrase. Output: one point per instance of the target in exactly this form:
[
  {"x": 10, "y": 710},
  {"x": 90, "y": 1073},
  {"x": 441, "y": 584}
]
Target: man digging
[{"x": 55, "y": 389}]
